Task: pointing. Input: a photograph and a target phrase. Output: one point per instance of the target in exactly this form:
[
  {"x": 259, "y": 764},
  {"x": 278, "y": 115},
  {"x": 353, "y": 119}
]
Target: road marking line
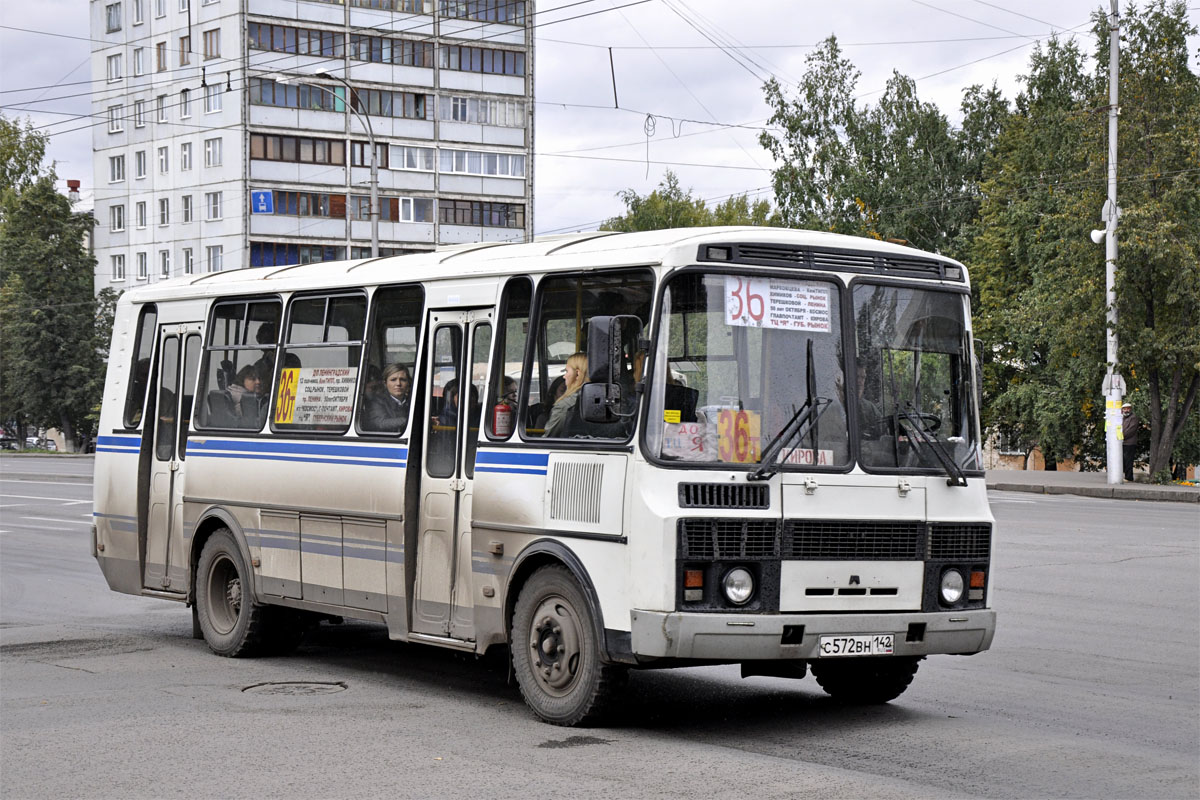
[
  {"x": 55, "y": 519},
  {"x": 37, "y": 497}
]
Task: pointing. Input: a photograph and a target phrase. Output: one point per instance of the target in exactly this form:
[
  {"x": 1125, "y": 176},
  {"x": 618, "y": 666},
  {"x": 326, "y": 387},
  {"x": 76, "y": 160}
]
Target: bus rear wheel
[
  {"x": 864, "y": 681},
  {"x": 230, "y": 621},
  {"x": 555, "y": 652}
]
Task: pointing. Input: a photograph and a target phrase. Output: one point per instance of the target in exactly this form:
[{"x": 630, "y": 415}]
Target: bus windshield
[
  {"x": 738, "y": 360},
  {"x": 913, "y": 379}
]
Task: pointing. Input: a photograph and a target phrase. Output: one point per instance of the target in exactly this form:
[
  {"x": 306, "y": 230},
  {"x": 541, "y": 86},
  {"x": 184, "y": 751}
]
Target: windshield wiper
[
  {"x": 803, "y": 421},
  {"x": 922, "y": 437}
]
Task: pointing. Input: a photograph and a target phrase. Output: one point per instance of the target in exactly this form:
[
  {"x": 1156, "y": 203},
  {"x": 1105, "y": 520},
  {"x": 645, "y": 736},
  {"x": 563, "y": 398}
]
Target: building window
[
  {"x": 481, "y": 214},
  {"x": 392, "y": 104},
  {"x": 302, "y": 41},
  {"x": 138, "y": 18},
  {"x": 187, "y": 208},
  {"x": 112, "y": 17},
  {"x": 164, "y": 263},
  {"x": 212, "y": 205},
  {"x": 213, "y": 254},
  {"x": 189, "y": 265},
  {"x": 164, "y": 159},
  {"x": 118, "y": 267},
  {"x": 212, "y": 98},
  {"x": 472, "y": 162},
  {"x": 185, "y": 156},
  {"x": 212, "y": 44},
  {"x": 141, "y": 266},
  {"x": 185, "y": 103},
  {"x": 510, "y": 12},
  {"x": 393, "y": 209},
  {"x": 212, "y": 152},
  {"x": 482, "y": 59},
  {"x": 114, "y": 68},
  {"x": 265, "y": 147},
  {"x": 483, "y": 111},
  {"x": 310, "y": 204},
  {"x": 184, "y": 5},
  {"x": 139, "y": 214},
  {"x": 115, "y": 123},
  {"x": 116, "y": 169},
  {"x": 265, "y": 92},
  {"x": 164, "y": 211},
  {"x": 139, "y": 61},
  {"x": 160, "y": 103},
  {"x": 116, "y": 219},
  {"x": 359, "y": 157},
  {"x": 272, "y": 254},
  {"x": 160, "y": 57},
  {"x": 415, "y": 158},
  {"x": 185, "y": 50},
  {"x": 160, "y": 8},
  {"x": 139, "y": 113},
  {"x": 382, "y": 50},
  {"x": 139, "y": 164}
]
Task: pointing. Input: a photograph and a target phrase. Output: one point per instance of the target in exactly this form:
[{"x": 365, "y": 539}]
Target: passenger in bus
[
  {"x": 265, "y": 366},
  {"x": 246, "y": 398},
  {"x": 388, "y": 410},
  {"x": 564, "y": 415},
  {"x": 541, "y": 412},
  {"x": 448, "y": 416}
]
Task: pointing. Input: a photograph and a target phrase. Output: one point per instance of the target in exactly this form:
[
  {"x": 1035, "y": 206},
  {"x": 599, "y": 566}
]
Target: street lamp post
[{"x": 366, "y": 121}]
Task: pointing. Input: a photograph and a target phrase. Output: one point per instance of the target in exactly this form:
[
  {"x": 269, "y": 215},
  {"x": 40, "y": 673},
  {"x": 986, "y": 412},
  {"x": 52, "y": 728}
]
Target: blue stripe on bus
[
  {"x": 119, "y": 444},
  {"x": 299, "y": 460},
  {"x": 523, "y": 463},
  {"x": 297, "y": 448}
]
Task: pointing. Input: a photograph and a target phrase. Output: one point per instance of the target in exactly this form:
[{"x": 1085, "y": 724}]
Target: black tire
[
  {"x": 555, "y": 653},
  {"x": 865, "y": 681},
  {"x": 232, "y": 624}
]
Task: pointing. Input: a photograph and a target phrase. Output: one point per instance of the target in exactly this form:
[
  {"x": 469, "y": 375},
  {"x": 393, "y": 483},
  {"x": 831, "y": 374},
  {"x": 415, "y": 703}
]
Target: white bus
[{"x": 604, "y": 451}]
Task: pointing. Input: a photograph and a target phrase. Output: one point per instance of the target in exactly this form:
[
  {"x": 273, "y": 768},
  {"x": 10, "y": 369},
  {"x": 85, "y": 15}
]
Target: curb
[
  {"x": 46, "y": 477},
  {"x": 1146, "y": 493}
]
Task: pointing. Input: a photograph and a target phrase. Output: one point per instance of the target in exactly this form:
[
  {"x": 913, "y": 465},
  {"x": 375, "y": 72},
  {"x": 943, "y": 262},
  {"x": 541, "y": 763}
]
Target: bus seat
[{"x": 220, "y": 410}]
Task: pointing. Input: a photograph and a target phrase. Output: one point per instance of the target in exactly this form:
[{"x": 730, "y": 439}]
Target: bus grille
[
  {"x": 728, "y": 538},
  {"x": 724, "y": 495},
  {"x": 853, "y": 540},
  {"x": 959, "y": 541}
]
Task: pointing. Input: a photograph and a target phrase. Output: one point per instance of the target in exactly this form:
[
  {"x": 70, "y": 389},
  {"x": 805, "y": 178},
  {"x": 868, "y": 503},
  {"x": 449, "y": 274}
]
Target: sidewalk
[{"x": 1087, "y": 484}]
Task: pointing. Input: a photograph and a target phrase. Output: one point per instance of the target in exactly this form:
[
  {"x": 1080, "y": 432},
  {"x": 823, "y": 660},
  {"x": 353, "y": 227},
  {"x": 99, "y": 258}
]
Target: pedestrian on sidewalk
[{"x": 1130, "y": 425}]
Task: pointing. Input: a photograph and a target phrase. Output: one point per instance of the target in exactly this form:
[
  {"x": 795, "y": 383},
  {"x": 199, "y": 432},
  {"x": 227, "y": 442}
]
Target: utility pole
[{"x": 1114, "y": 384}]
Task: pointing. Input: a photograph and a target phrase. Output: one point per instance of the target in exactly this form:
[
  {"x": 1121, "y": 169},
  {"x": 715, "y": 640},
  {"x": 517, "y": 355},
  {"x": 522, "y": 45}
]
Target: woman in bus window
[
  {"x": 388, "y": 410},
  {"x": 245, "y": 394},
  {"x": 567, "y": 406}
]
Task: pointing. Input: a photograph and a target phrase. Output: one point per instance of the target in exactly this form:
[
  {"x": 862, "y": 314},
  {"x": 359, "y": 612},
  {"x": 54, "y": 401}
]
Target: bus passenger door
[
  {"x": 178, "y": 360},
  {"x": 454, "y": 378}
]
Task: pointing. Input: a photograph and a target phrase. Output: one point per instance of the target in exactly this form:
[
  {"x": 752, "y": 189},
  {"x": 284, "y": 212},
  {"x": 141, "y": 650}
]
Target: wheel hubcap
[
  {"x": 554, "y": 645},
  {"x": 224, "y": 595}
]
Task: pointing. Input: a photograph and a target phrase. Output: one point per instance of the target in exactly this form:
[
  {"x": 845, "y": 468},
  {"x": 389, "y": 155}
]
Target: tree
[
  {"x": 669, "y": 206},
  {"x": 22, "y": 150},
  {"x": 52, "y": 370},
  {"x": 1158, "y": 264}
]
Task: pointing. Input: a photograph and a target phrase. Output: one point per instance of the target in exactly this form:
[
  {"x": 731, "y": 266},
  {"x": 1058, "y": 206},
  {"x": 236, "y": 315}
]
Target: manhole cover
[{"x": 297, "y": 687}]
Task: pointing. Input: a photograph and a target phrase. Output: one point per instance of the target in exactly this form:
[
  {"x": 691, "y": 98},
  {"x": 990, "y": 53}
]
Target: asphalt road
[{"x": 1092, "y": 689}]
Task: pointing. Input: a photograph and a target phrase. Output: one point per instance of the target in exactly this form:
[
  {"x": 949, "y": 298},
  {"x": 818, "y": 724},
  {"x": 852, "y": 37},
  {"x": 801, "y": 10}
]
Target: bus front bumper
[{"x": 750, "y": 637}]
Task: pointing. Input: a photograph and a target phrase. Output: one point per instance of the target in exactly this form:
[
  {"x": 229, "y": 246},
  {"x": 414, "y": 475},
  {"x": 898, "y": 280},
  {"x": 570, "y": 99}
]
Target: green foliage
[
  {"x": 669, "y": 206},
  {"x": 22, "y": 150},
  {"x": 52, "y": 371}
]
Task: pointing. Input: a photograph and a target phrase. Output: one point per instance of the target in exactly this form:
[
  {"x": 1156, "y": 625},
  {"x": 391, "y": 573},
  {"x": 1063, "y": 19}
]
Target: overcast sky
[{"x": 587, "y": 150}]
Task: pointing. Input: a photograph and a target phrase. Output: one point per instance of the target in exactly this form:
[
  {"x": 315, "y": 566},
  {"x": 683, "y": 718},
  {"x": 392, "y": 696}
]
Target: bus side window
[
  {"x": 139, "y": 374},
  {"x": 385, "y": 392},
  {"x": 238, "y": 365},
  {"x": 564, "y": 306},
  {"x": 512, "y": 332},
  {"x": 322, "y": 350}
]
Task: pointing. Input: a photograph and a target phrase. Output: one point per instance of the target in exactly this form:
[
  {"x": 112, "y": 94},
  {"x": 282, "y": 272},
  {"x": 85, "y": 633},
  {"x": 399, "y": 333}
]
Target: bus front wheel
[
  {"x": 864, "y": 681},
  {"x": 230, "y": 621},
  {"x": 555, "y": 652}
]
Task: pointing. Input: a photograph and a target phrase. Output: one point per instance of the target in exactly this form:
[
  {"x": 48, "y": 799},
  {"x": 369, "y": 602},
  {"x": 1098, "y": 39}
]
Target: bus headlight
[
  {"x": 952, "y": 586},
  {"x": 738, "y": 585}
]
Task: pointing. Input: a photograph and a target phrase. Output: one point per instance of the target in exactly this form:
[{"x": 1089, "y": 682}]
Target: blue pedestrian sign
[{"x": 262, "y": 202}]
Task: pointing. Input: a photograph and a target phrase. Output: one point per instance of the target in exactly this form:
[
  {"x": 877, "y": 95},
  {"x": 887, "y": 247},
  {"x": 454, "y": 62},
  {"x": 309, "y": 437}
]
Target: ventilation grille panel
[
  {"x": 853, "y": 540},
  {"x": 728, "y": 538},
  {"x": 575, "y": 492},
  {"x": 724, "y": 495},
  {"x": 958, "y": 541}
]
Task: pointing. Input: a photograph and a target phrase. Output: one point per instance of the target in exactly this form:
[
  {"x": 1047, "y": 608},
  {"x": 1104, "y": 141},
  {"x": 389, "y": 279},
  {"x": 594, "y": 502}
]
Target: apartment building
[{"x": 236, "y": 133}]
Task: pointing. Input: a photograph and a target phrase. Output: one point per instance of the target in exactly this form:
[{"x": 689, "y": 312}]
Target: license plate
[{"x": 866, "y": 644}]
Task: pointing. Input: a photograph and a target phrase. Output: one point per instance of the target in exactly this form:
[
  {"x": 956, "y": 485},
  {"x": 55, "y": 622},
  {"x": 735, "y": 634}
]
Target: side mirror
[{"x": 610, "y": 340}]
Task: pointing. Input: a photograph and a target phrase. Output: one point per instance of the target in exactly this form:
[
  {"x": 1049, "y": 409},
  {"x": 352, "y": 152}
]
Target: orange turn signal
[
  {"x": 693, "y": 579},
  {"x": 977, "y": 579}
]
